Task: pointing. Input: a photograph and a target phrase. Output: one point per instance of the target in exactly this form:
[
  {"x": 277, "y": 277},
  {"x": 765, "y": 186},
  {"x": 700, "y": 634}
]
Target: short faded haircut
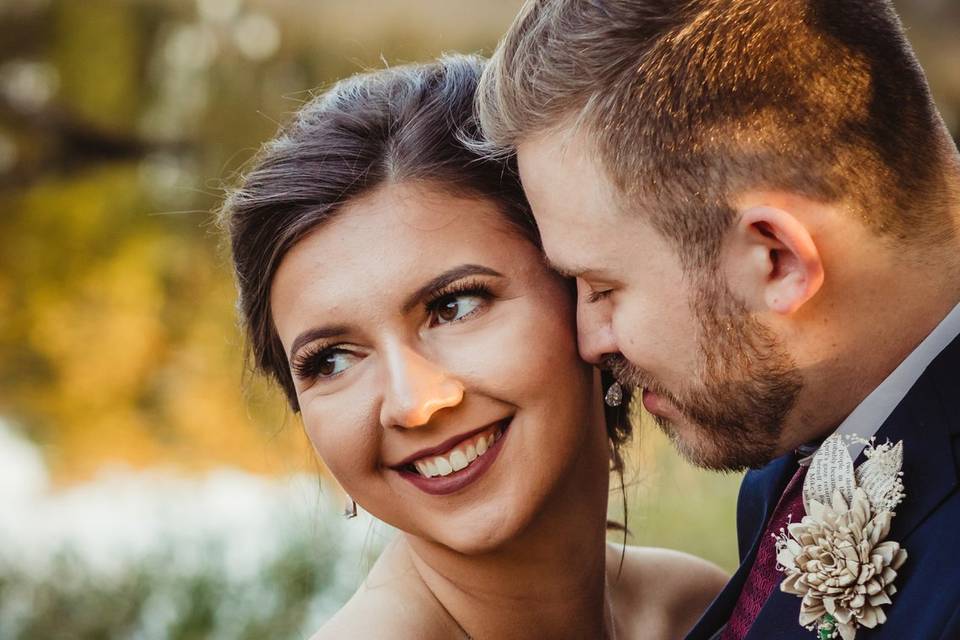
[{"x": 688, "y": 102}]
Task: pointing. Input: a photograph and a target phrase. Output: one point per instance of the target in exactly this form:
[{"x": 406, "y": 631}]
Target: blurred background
[{"x": 148, "y": 487}]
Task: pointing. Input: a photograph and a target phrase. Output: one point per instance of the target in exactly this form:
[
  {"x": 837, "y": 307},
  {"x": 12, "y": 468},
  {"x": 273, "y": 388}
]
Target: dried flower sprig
[{"x": 837, "y": 558}]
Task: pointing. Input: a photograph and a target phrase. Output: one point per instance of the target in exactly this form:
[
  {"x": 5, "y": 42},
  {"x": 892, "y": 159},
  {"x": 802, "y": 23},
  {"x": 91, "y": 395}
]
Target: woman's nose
[{"x": 416, "y": 389}]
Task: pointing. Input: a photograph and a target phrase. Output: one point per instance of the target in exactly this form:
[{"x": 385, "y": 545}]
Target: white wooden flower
[{"x": 837, "y": 558}]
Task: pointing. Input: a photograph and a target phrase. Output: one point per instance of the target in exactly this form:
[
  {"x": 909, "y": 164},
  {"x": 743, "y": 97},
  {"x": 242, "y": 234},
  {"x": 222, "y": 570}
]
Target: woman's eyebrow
[
  {"x": 445, "y": 278},
  {"x": 442, "y": 280},
  {"x": 317, "y": 333}
]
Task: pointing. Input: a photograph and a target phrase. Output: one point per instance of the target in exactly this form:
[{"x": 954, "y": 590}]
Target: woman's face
[{"x": 436, "y": 367}]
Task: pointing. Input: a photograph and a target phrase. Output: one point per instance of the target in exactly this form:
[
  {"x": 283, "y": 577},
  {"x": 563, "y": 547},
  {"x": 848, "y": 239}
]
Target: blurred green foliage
[
  {"x": 672, "y": 504},
  {"x": 157, "y": 598},
  {"x": 120, "y": 120},
  {"x": 103, "y": 44}
]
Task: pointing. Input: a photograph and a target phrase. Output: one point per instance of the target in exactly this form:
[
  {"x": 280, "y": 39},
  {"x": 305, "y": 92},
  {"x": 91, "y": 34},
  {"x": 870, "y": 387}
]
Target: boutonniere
[{"x": 837, "y": 557}]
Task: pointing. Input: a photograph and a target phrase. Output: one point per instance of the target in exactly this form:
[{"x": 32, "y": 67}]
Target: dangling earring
[
  {"x": 350, "y": 508},
  {"x": 614, "y": 396}
]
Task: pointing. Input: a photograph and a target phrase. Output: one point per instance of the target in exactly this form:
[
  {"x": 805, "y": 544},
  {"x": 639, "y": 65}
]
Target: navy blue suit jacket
[{"x": 927, "y": 603}]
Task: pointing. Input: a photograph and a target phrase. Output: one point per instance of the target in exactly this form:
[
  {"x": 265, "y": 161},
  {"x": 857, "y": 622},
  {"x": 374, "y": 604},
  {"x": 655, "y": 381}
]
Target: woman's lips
[
  {"x": 461, "y": 465},
  {"x": 460, "y": 456}
]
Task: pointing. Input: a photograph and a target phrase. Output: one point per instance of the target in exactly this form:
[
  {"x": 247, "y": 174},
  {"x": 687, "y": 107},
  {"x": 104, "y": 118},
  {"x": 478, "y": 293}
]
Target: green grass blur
[{"x": 672, "y": 504}]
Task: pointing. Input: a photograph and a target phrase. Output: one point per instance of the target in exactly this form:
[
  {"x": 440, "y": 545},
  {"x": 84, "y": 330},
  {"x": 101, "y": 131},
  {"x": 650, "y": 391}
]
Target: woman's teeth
[{"x": 459, "y": 457}]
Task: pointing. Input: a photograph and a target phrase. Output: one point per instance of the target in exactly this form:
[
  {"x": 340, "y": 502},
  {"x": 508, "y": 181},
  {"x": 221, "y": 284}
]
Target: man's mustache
[{"x": 631, "y": 376}]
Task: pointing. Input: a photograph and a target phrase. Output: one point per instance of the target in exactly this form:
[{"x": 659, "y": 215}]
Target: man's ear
[{"x": 772, "y": 260}]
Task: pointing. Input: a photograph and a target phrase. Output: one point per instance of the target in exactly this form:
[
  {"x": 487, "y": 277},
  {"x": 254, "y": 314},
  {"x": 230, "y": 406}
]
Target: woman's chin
[
  {"x": 477, "y": 545},
  {"x": 486, "y": 530}
]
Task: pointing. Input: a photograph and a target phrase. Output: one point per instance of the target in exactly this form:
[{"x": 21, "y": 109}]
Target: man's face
[{"x": 717, "y": 380}]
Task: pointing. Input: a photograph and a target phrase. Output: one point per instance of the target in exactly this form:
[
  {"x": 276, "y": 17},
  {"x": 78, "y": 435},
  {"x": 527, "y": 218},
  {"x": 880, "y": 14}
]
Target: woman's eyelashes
[
  {"x": 322, "y": 361},
  {"x": 457, "y": 302}
]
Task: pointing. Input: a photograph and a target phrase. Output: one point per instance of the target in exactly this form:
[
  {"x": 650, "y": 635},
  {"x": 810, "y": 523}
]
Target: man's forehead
[
  {"x": 574, "y": 261},
  {"x": 556, "y": 148},
  {"x": 567, "y": 175}
]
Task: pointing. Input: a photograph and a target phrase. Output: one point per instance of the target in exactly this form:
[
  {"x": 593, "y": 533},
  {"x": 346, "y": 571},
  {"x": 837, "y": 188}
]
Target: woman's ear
[{"x": 772, "y": 261}]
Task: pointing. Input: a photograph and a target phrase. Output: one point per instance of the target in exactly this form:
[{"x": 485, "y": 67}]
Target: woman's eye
[
  {"x": 325, "y": 364},
  {"x": 334, "y": 363},
  {"x": 456, "y": 307}
]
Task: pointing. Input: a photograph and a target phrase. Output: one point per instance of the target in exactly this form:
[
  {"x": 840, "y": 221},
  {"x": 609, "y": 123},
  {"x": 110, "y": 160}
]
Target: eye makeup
[
  {"x": 314, "y": 361},
  {"x": 437, "y": 300},
  {"x": 319, "y": 360}
]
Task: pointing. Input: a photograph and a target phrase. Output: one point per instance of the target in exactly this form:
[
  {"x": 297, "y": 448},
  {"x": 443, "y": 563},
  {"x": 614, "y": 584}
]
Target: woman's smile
[{"x": 456, "y": 463}]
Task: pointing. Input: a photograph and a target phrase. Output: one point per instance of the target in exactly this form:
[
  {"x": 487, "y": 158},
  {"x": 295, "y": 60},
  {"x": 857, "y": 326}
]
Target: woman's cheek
[
  {"x": 549, "y": 331},
  {"x": 341, "y": 439},
  {"x": 529, "y": 349}
]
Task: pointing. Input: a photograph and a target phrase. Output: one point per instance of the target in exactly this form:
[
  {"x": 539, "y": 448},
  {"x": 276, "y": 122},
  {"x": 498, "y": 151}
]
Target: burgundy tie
[{"x": 764, "y": 577}]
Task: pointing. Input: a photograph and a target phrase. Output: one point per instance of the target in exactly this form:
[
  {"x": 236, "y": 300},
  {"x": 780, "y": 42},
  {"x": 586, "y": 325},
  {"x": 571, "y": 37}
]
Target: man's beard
[{"x": 747, "y": 387}]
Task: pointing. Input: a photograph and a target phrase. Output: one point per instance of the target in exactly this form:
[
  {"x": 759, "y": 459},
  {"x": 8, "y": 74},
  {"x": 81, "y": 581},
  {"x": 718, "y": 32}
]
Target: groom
[{"x": 761, "y": 206}]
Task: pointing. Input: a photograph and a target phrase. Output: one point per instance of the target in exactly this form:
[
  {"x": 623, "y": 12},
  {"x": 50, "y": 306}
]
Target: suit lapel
[{"x": 926, "y": 420}]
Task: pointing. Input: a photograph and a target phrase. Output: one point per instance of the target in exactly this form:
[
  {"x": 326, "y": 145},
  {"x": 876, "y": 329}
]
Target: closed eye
[{"x": 597, "y": 296}]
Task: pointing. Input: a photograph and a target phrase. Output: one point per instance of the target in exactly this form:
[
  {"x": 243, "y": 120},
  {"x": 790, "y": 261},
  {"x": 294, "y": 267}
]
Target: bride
[{"x": 391, "y": 283}]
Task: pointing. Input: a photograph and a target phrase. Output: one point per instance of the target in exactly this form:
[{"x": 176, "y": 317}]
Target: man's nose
[
  {"x": 595, "y": 336},
  {"x": 416, "y": 389}
]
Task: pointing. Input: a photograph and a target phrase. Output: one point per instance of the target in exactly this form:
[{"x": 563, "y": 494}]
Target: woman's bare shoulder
[
  {"x": 392, "y": 603},
  {"x": 661, "y": 593},
  {"x": 373, "y": 615}
]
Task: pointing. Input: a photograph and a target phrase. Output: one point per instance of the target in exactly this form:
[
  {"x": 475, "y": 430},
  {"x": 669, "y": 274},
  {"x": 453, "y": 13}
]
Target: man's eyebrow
[
  {"x": 317, "y": 333},
  {"x": 444, "y": 279},
  {"x": 566, "y": 272}
]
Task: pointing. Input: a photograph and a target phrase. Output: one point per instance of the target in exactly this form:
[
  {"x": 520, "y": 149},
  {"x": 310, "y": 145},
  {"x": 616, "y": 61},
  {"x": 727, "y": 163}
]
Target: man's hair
[{"x": 688, "y": 102}]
